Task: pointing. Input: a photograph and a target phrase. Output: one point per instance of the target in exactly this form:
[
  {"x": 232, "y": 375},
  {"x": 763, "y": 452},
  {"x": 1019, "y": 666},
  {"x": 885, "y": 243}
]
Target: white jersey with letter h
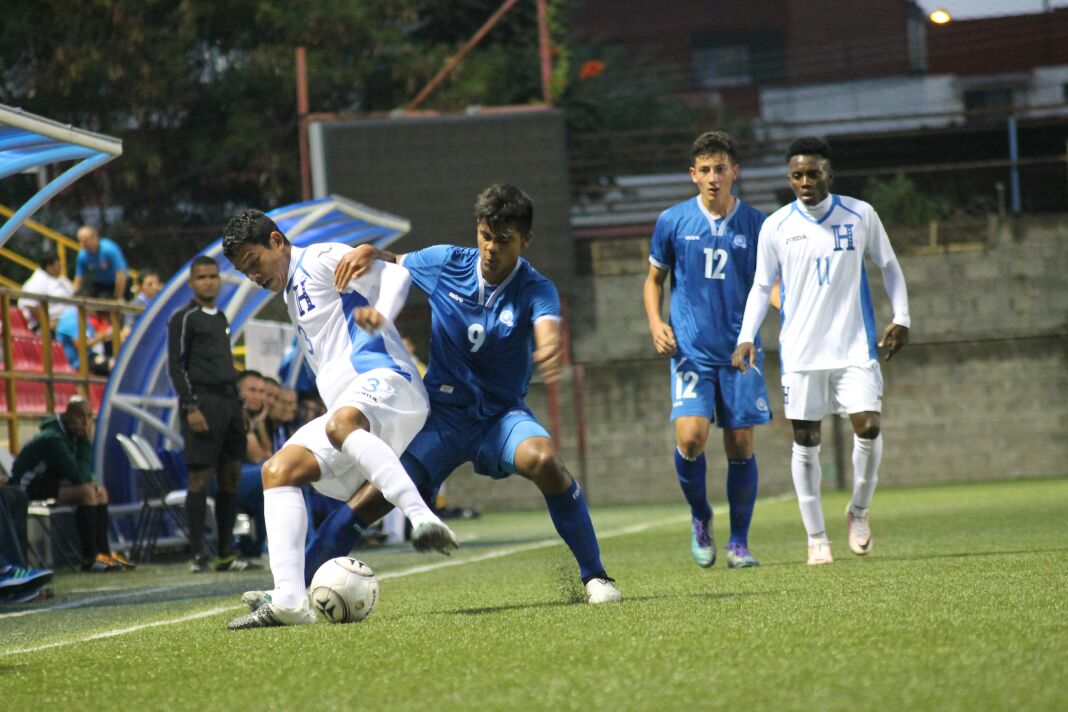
[{"x": 827, "y": 317}]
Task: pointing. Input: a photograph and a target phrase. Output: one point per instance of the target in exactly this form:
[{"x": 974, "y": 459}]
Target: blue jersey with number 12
[
  {"x": 482, "y": 336},
  {"x": 712, "y": 262}
]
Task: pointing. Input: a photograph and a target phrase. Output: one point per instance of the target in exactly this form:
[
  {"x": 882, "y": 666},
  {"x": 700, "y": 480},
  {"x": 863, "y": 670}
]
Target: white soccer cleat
[
  {"x": 255, "y": 599},
  {"x": 602, "y": 590},
  {"x": 859, "y": 532},
  {"x": 270, "y": 614},
  {"x": 433, "y": 536},
  {"x": 819, "y": 552}
]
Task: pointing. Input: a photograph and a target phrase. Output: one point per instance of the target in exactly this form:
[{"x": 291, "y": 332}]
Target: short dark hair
[
  {"x": 504, "y": 207},
  {"x": 248, "y": 373},
  {"x": 48, "y": 259},
  {"x": 252, "y": 227},
  {"x": 809, "y": 146},
  {"x": 202, "y": 261},
  {"x": 711, "y": 143},
  {"x": 146, "y": 273}
]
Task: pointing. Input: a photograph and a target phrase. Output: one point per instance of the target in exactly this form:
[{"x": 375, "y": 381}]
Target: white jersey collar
[
  {"x": 820, "y": 211},
  {"x": 495, "y": 291},
  {"x": 713, "y": 220}
]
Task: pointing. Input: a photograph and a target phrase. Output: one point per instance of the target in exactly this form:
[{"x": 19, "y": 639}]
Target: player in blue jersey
[
  {"x": 493, "y": 317},
  {"x": 708, "y": 244}
]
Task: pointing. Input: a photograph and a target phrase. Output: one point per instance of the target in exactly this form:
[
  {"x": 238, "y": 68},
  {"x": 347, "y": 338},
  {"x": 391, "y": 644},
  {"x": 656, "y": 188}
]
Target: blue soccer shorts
[
  {"x": 723, "y": 394},
  {"x": 450, "y": 438}
]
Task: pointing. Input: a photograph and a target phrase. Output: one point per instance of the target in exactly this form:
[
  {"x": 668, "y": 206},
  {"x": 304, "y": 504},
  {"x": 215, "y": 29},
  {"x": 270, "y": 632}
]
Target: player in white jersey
[
  {"x": 827, "y": 345},
  {"x": 375, "y": 399}
]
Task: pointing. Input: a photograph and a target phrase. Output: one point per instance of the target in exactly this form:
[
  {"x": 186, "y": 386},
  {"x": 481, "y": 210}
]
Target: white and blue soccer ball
[{"x": 344, "y": 590}]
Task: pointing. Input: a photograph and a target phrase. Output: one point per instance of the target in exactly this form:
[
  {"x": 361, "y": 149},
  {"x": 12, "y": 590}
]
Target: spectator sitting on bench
[{"x": 57, "y": 464}]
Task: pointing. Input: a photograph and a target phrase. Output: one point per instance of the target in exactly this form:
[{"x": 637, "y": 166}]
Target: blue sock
[
  {"x": 741, "y": 496},
  {"x": 692, "y": 480},
  {"x": 571, "y": 517},
  {"x": 336, "y": 536}
]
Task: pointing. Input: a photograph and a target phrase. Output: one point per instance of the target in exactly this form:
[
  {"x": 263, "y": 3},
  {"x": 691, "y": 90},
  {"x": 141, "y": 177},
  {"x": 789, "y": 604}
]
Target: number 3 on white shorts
[{"x": 685, "y": 384}]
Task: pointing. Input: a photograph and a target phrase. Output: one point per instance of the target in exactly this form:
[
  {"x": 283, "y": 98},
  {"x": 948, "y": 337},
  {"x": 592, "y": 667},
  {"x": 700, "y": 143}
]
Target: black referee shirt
[{"x": 198, "y": 353}]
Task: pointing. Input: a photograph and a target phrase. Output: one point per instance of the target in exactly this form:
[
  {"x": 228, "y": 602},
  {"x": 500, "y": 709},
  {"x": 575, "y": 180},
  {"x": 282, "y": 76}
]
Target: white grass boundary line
[
  {"x": 97, "y": 599},
  {"x": 499, "y": 553},
  {"x": 121, "y": 631}
]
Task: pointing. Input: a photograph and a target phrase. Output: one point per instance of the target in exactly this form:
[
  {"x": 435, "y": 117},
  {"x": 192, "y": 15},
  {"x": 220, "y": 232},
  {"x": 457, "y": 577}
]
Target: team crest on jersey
[
  {"x": 740, "y": 241},
  {"x": 507, "y": 317}
]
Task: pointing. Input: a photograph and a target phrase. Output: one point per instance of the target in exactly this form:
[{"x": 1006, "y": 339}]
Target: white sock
[
  {"x": 287, "y": 527},
  {"x": 867, "y": 454},
  {"x": 383, "y": 469},
  {"x": 805, "y": 468}
]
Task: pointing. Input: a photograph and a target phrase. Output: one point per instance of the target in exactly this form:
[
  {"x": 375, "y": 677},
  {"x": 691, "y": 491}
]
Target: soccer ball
[{"x": 344, "y": 590}]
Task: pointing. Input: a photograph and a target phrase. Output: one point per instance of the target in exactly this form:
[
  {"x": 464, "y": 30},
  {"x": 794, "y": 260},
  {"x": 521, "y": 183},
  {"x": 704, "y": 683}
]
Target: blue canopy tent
[
  {"x": 139, "y": 396},
  {"x": 28, "y": 142}
]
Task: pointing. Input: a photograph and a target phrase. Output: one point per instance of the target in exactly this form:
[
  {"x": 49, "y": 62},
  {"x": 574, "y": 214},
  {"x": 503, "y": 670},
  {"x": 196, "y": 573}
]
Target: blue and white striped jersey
[{"x": 334, "y": 346}]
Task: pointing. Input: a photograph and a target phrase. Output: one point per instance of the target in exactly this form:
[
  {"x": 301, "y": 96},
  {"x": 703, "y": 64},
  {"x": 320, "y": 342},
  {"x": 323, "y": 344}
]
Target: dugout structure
[
  {"x": 431, "y": 168},
  {"x": 139, "y": 396}
]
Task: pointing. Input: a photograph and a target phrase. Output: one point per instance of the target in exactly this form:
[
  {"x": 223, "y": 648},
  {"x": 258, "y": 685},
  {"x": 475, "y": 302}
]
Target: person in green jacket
[{"x": 57, "y": 465}]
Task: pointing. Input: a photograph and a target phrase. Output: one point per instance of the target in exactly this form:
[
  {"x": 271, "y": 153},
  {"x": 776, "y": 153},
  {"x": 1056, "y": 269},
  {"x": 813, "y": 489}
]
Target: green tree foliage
[
  {"x": 202, "y": 93},
  {"x": 900, "y": 203}
]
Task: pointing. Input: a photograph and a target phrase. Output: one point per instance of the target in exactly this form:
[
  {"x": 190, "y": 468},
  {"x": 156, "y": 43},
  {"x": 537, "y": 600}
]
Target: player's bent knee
[
  {"x": 807, "y": 438},
  {"x": 343, "y": 423},
  {"x": 868, "y": 431},
  {"x": 276, "y": 473},
  {"x": 738, "y": 444},
  {"x": 537, "y": 461},
  {"x": 691, "y": 447}
]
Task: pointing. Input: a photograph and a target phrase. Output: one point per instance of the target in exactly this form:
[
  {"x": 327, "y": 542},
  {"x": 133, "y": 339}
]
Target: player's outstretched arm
[
  {"x": 652, "y": 298},
  {"x": 548, "y": 349},
  {"x": 356, "y": 262}
]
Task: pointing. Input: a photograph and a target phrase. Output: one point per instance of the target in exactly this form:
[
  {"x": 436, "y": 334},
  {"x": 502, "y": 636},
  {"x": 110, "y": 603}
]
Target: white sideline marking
[
  {"x": 544, "y": 543},
  {"x": 89, "y": 601},
  {"x": 122, "y": 631}
]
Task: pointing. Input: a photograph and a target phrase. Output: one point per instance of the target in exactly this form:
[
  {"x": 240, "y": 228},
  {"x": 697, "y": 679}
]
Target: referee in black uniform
[{"x": 202, "y": 370}]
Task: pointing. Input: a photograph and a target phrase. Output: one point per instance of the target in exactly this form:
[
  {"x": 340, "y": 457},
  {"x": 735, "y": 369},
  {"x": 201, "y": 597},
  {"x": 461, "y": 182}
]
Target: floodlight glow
[{"x": 940, "y": 17}]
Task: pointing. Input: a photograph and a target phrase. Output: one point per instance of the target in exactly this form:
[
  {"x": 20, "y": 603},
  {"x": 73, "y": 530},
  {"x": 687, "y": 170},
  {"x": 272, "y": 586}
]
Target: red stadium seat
[
  {"x": 27, "y": 352},
  {"x": 29, "y": 397},
  {"x": 59, "y": 359},
  {"x": 96, "y": 395},
  {"x": 19, "y": 327}
]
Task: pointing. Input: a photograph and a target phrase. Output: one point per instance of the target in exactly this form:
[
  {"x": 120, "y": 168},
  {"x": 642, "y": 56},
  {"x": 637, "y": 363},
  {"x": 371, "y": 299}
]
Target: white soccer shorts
[
  {"x": 810, "y": 395},
  {"x": 395, "y": 407}
]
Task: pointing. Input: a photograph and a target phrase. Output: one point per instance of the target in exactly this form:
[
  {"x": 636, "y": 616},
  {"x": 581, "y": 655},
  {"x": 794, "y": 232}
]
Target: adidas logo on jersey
[
  {"x": 456, "y": 297},
  {"x": 692, "y": 237}
]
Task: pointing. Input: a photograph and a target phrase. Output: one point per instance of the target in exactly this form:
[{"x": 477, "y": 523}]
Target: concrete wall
[{"x": 980, "y": 393}]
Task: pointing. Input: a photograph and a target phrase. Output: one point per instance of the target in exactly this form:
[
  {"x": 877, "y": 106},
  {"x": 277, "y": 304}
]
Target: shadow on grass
[{"x": 709, "y": 596}]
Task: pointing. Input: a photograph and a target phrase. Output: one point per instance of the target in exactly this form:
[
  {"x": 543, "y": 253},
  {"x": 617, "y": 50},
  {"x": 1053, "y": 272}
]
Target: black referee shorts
[{"x": 226, "y": 439}]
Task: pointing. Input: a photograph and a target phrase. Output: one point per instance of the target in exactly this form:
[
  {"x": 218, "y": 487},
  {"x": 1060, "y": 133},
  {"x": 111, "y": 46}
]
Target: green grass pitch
[{"x": 961, "y": 606}]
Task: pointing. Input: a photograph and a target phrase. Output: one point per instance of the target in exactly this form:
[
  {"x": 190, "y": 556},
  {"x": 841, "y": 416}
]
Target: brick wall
[{"x": 980, "y": 393}]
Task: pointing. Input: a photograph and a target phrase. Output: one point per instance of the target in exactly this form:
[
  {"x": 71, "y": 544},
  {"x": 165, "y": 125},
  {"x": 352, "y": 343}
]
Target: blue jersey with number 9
[
  {"x": 712, "y": 262},
  {"x": 482, "y": 335}
]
